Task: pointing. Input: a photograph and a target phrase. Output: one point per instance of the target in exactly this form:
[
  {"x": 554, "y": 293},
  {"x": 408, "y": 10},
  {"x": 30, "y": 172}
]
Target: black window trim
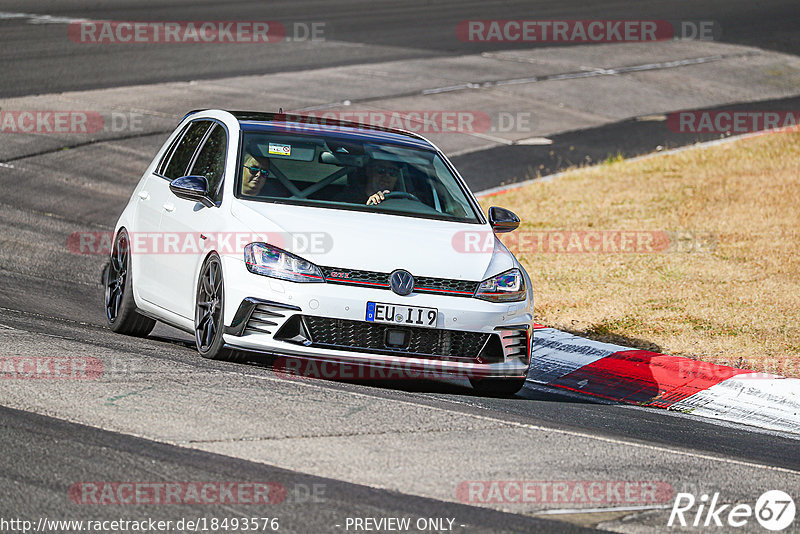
[
  {"x": 202, "y": 144},
  {"x": 194, "y": 154},
  {"x": 165, "y": 159}
]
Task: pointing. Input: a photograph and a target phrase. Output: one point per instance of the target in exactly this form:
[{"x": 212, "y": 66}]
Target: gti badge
[{"x": 401, "y": 282}]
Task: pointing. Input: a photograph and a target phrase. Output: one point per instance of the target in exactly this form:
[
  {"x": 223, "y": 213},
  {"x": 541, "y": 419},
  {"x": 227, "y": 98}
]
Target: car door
[
  {"x": 147, "y": 217},
  {"x": 159, "y": 199},
  {"x": 193, "y": 223}
]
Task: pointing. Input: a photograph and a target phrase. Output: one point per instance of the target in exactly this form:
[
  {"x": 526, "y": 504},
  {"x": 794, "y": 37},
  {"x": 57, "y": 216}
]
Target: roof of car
[{"x": 255, "y": 121}]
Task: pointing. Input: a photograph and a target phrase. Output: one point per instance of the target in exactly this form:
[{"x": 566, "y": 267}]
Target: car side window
[
  {"x": 210, "y": 161},
  {"x": 182, "y": 156},
  {"x": 162, "y": 165}
]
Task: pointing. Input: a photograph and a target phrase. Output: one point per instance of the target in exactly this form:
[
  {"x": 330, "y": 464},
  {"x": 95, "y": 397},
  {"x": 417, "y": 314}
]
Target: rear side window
[
  {"x": 210, "y": 161},
  {"x": 185, "y": 149},
  {"x": 168, "y": 154}
]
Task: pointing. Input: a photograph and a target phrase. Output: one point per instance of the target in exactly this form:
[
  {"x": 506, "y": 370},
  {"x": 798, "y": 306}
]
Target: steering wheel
[{"x": 397, "y": 195}]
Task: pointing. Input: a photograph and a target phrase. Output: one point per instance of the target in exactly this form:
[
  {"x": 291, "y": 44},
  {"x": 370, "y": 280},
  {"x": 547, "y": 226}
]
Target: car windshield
[{"x": 350, "y": 174}]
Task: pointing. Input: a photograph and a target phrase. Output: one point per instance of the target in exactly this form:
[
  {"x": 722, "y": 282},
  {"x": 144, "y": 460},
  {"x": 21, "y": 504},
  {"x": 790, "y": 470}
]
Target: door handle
[
  {"x": 169, "y": 207},
  {"x": 144, "y": 195}
]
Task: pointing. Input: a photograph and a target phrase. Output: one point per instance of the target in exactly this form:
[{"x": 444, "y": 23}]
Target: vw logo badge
[{"x": 401, "y": 282}]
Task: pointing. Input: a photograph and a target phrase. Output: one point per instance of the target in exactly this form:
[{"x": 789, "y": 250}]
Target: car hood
[{"x": 378, "y": 242}]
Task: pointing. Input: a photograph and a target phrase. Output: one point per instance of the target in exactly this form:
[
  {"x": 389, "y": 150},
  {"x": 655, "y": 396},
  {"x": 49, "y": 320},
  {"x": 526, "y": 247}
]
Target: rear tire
[
  {"x": 209, "y": 325},
  {"x": 498, "y": 387},
  {"x": 121, "y": 314}
]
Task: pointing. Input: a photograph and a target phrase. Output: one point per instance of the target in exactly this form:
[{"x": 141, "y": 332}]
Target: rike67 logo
[{"x": 774, "y": 510}]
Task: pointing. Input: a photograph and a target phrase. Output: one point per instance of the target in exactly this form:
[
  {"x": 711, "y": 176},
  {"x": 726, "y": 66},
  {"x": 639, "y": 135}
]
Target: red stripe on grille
[
  {"x": 356, "y": 282},
  {"x": 443, "y": 290}
]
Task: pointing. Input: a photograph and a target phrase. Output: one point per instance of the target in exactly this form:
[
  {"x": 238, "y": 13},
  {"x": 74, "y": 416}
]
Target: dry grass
[{"x": 736, "y": 303}]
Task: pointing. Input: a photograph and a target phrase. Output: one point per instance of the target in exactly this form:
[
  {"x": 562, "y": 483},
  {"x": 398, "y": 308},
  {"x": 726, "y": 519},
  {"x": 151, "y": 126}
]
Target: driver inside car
[
  {"x": 256, "y": 170},
  {"x": 382, "y": 176}
]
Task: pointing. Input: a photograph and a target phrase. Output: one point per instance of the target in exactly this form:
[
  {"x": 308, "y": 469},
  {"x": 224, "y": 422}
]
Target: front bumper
[{"x": 326, "y": 323}]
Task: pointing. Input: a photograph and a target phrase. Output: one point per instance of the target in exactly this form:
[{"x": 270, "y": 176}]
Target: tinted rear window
[{"x": 183, "y": 153}]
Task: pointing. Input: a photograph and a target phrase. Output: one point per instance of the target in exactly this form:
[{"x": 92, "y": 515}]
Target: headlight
[
  {"x": 267, "y": 260},
  {"x": 505, "y": 287}
]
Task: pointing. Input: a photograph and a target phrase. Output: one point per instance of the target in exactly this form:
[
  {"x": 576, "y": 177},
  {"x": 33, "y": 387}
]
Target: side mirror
[
  {"x": 192, "y": 188},
  {"x": 502, "y": 220}
]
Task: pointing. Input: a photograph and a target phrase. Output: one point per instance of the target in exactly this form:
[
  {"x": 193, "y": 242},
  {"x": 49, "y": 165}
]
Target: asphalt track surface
[
  {"x": 43, "y": 456},
  {"x": 628, "y": 138},
  {"x": 91, "y": 454},
  {"x": 35, "y": 59}
]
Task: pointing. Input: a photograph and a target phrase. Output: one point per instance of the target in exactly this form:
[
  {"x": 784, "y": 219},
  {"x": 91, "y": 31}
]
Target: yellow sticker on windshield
[{"x": 280, "y": 150}]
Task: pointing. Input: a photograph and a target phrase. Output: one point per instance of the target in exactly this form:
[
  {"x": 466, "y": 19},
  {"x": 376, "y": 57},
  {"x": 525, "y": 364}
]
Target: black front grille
[
  {"x": 422, "y": 284},
  {"x": 370, "y": 337},
  {"x": 355, "y": 277},
  {"x": 438, "y": 285}
]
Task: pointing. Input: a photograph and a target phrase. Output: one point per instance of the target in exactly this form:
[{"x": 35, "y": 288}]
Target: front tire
[
  {"x": 209, "y": 324},
  {"x": 121, "y": 314},
  {"x": 498, "y": 387}
]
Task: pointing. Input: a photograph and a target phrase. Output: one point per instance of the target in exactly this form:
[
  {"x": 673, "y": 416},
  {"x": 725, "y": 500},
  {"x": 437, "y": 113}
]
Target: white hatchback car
[{"x": 320, "y": 241}]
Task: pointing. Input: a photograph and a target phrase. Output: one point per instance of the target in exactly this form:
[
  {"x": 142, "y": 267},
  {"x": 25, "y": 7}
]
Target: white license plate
[{"x": 401, "y": 315}]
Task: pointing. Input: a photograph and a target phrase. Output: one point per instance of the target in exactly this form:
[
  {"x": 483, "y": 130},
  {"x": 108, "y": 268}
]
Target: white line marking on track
[
  {"x": 540, "y": 428},
  {"x": 599, "y": 510},
  {"x": 37, "y": 18},
  {"x": 594, "y": 72},
  {"x": 535, "y": 141}
]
